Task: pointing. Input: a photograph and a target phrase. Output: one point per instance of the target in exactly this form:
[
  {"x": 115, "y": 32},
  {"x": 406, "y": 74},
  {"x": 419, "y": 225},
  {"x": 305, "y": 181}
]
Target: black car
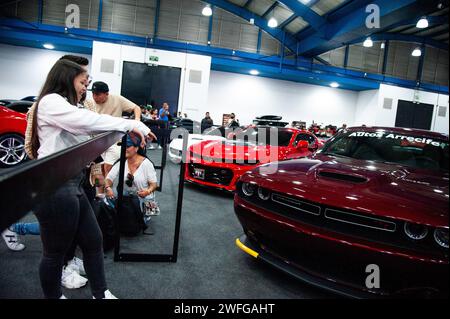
[
  {"x": 20, "y": 106},
  {"x": 30, "y": 98},
  {"x": 187, "y": 124},
  {"x": 269, "y": 120}
]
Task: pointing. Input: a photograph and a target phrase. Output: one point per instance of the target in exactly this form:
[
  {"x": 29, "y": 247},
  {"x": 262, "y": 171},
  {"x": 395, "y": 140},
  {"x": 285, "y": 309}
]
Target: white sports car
[{"x": 176, "y": 146}]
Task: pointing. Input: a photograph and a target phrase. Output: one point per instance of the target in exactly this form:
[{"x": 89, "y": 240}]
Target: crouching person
[{"x": 139, "y": 187}]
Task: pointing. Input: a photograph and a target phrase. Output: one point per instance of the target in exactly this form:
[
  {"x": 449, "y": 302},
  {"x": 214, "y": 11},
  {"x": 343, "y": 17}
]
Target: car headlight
[
  {"x": 263, "y": 193},
  {"x": 441, "y": 237},
  {"x": 248, "y": 189},
  {"x": 415, "y": 231}
]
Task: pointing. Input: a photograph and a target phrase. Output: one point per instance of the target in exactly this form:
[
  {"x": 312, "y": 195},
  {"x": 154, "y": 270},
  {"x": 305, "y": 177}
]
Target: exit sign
[{"x": 153, "y": 60}]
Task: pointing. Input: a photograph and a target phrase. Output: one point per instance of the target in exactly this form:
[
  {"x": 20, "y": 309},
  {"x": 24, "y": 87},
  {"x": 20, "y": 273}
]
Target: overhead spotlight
[
  {"x": 368, "y": 43},
  {"x": 422, "y": 23},
  {"x": 383, "y": 45},
  {"x": 49, "y": 46},
  {"x": 417, "y": 52},
  {"x": 254, "y": 72},
  {"x": 334, "y": 85},
  {"x": 252, "y": 21},
  {"x": 207, "y": 11},
  {"x": 273, "y": 23}
]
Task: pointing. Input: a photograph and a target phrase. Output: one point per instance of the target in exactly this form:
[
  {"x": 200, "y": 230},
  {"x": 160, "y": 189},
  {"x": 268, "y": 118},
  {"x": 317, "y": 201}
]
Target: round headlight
[
  {"x": 441, "y": 237},
  {"x": 263, "y": 193},
  {"x": 248, "y": 189},
  {"x": 415, "y": 231}
]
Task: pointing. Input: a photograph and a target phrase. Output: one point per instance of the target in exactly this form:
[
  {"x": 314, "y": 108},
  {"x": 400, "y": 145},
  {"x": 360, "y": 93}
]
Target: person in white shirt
[
  {"x": 66, "y": 214},
  {"x": 140, "y": 174}
]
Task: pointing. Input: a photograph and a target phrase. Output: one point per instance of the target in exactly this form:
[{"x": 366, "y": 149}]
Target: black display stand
[{"x": 136, "y": 257}]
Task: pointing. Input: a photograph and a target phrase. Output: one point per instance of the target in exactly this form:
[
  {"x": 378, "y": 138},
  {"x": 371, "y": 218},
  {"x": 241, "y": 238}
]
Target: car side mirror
[{"x": 302, "y": 144}]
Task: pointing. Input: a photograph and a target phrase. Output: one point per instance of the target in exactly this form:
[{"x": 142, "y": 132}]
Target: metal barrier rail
[{"x": 25, "y": 186}]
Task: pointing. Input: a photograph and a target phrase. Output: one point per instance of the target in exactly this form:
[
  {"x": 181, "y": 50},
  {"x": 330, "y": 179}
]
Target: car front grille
[
  {"x": 296, "y": 204},
  {"x": 363, "y": 227},
  {"x": 215, "y": 175}
]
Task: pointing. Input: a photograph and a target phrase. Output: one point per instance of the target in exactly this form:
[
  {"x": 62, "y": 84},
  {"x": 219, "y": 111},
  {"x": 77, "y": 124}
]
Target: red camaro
[
  {"x": 365, "y": 216},
  {"x": 220, "y": 164},
  {"x": 12, "y": 133}
]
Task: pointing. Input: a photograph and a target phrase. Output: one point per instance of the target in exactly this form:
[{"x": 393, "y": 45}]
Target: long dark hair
[{"x": 59, "y": 80}]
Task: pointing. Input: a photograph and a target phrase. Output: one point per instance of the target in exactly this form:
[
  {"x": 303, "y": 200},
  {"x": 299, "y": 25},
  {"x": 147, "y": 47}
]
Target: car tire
[{"x": 12, "y": 150}]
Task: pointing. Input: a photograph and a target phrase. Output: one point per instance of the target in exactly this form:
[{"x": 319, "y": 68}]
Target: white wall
[
  {"x": 23, "y": 70},
  {"x": 193, "y": 96},
  {"x": 250, "y": 96},
  {"x": 366, "y": 108},
  {"x": 370, "y": 109}
]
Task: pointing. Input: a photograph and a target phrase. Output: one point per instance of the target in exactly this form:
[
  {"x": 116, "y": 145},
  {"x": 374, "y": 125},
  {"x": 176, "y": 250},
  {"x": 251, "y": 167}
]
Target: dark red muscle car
[{"x": 371, "y": 202}]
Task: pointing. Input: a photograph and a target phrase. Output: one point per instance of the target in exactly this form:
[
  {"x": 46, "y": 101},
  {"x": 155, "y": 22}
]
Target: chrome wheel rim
[{"x": 12, "y": 151}]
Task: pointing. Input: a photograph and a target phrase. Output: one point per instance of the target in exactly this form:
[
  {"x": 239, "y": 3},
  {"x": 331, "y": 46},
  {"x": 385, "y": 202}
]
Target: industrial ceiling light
[
  {"x": 273, "y": 23},
  {"x": 334, "y": 85},
  {"x": 207, "y": 11},
  {"x": 368, "y": 43},
  {"x": 383, "y": 45},
  {"x": 305, "y": 1},
  {"x": 254, "y": 72},
  {"x": 422, "y": 23},
  {"x": 49, "y": 46},
  {"x": 417, "y": 52}
]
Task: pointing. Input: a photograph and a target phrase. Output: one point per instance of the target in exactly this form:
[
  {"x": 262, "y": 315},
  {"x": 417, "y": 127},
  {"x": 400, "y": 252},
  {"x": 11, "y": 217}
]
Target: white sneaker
[
  {"x": 159, "y": 147},
  {"x": 108, "y": 295},
  {"x": 76, "y": 264},
  {"x": 12, "y": 240},
  {"x": 71, "y": 279}
]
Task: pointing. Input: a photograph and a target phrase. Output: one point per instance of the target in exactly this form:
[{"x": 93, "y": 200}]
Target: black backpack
[{"x": 131, "y": 219}]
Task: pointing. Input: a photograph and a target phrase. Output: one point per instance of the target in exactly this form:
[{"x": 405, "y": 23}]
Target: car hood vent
[{"x": 343, "y": 177}]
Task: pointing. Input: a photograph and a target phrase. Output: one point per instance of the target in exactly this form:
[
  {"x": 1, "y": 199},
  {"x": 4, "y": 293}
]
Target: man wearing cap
[{"x": 114, "y": 105}]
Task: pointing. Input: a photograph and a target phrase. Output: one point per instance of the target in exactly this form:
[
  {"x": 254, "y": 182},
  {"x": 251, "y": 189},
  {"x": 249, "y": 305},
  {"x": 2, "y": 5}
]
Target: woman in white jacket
[{"x": 66, "y": 214}]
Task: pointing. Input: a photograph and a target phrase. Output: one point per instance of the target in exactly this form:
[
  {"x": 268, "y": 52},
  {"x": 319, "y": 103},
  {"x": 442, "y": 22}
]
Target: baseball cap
[
  {"x": 100, "y": 87},
  {"x": 133, "y": 140}
]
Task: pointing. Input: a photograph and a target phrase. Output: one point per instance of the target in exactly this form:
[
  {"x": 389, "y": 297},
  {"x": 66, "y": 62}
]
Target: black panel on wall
[
  {"x": 413, "y": 115},
  {"x": 166, "y": 86},
  {"x": 144, "y": 84},
  {"x": 136, "y": 82}
]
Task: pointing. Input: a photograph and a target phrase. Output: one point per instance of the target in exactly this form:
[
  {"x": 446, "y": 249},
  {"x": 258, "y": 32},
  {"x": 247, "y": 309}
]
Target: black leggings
[{"x": 66, "y": 216}]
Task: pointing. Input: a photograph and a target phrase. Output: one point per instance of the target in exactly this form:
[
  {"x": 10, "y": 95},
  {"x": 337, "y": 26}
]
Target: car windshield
[
  {"x": 405, "y": 149},
  {"x": 263, "y": 136}
]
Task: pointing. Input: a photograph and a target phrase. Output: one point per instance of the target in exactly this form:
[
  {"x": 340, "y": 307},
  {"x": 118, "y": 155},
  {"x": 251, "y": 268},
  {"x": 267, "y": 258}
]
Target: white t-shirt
[{"x": 144, "y": 175}]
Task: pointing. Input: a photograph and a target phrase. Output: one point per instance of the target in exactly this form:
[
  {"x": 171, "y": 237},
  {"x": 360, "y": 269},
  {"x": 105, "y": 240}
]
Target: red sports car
[
  {"x": 220, "y": 164},
  {"x": 365, "y": 216},
  {"x": 12, "y": 141}
]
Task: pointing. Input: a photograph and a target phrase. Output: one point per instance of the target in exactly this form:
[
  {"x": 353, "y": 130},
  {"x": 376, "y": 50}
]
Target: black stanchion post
[
  {"x": 164, "y": 153},
  {"x": 180, "y": 197},
  {"x": 119, "y": 203}
]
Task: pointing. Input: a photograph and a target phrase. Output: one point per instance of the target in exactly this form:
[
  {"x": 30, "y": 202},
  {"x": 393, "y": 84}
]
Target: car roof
[{"x": 399, "y": 130}]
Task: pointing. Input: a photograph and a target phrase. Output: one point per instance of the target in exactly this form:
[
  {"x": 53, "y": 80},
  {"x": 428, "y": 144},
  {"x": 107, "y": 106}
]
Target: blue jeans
[{"x": 26, "y": 228}]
